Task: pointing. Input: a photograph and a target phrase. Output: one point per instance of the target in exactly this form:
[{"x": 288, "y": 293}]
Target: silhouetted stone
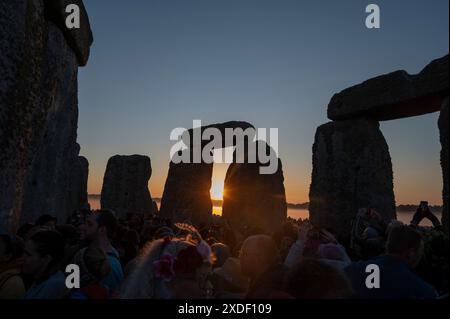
[
  {"x": 188, "y": 136},
  {"x": 38, "y": 113},
  {"x": 254, "y": 200},
  {"x": 79, "y": 183},
  {"x": 444, "y": 136},
  {"x": 80, "y": 40},
  {"x": 186, "y": 196},
  {"x": 351, "y": 169},
  {"x": 394, "y": 95},
  {"x": 125, "y": 185}
]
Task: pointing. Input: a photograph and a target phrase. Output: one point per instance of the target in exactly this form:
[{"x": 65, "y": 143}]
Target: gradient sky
[{"x": 158, "y": 65}]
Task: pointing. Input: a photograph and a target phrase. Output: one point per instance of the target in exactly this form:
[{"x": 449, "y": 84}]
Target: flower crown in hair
[{"x": 187, "y": 260}]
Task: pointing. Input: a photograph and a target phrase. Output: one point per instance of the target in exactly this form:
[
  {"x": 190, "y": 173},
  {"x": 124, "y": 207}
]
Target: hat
[{"x": 231, "y": 272}]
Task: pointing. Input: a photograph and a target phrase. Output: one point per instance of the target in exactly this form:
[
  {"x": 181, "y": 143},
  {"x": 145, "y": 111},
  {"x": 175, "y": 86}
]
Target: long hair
[{"x": 141, "y": 283}]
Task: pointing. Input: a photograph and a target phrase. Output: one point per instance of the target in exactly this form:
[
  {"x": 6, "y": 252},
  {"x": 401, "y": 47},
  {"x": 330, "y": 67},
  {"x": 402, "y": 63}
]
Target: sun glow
[{"x": 217, "y": 190}]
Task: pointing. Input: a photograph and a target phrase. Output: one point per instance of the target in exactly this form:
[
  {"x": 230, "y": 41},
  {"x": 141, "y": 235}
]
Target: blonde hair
[{"x": 141, "y": 282}]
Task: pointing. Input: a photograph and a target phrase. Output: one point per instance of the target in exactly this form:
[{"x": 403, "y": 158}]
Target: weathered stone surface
[
  {"x": 186, "y": 196},
  {"x": 22, "y": 111},
  {"x": 394, "y": 95},
  {"x": 254, "y": 200},
  {"x": 47, "y": 189},
  {"x": 125, "y": 185},
  {"x": 23, "y": 36},
  {"x": 38, "y": 113},
  {"x": 351, "y": 169},
  {"x": 80, "y": 40},
  {"x": 444, "y": 136}
]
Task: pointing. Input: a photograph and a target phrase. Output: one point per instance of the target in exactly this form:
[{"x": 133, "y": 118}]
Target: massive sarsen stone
[
  {"x": 38, "y": 88},
  {"x": 186, "y": 196},
  {"x": 48, "y": 185},
  {"x": 80, "y": 40},
  {"x": 254, "y": 200},
  {"x": 23, "y": 35},
  {"x": 351, "y": 169},
  {"x": 394, "y": 95},
  {"x": 444, "y": 136},
  {"x": 125, "y": 185}
]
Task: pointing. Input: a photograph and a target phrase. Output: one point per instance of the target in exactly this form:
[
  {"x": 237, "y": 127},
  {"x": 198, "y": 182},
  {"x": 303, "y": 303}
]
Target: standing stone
[
  {"x": 79, "y": 184},
  {"x": 125, "y": 185},
  {"x": 48, "y": 181},
  {"x": 37, "y": 87},
  {"x": 187, "y": 196},
  {"x": 351, "y": 169},
  {"x": 444, "y": 136},
  {"x": 22, "y": 109},
  {"x": 253, "y": 200}
]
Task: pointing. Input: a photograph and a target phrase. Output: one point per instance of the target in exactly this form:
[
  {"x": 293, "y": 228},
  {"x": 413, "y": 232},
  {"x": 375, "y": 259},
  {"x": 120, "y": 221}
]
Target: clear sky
[{"x": 158, "y": 65}]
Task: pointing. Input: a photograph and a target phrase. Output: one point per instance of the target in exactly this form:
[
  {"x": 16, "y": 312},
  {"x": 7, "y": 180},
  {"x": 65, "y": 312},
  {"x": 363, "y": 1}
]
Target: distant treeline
[{"x": 400, "y": 208}]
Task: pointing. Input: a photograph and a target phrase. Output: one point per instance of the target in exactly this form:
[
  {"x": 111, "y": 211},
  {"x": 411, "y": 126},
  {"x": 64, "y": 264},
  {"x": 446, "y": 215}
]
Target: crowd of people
[{"x": 150, "y": 257}]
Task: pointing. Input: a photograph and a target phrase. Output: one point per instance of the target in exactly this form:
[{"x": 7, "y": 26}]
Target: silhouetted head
[
  {"x": 406, "y": 244},
  {"x": 258, "y": 254},
  {"x": 315, "y": 279},
  {"x": 102, "y": 224},
  {"x": 423, "y": 205},
  {"x": 43, "y": 253},
  {"x": 93, "y": 263}
]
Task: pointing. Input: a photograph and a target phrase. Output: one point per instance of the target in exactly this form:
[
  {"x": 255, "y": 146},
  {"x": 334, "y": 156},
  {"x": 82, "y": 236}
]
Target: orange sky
[{"x": 296, "y": 191}]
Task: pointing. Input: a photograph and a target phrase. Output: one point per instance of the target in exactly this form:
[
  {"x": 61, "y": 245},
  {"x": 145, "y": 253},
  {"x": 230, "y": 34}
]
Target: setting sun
[{"x": 217, "y": 190}]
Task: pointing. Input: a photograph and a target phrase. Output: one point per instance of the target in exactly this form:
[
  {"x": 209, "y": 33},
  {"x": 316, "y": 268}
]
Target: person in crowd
[
  {"x": 79, "y": 219},
  {"x": 46, "y": 221},
  {"x": 128, "y": 247},
  {"x": 43, "y": 253},
  {"x": 94, "y": 267},
  {"x": 171, "y": 268},
  {"x": 404, "y": 249},
  {"x": 71, "y": 241},
  {"x": 221, "y": 253},
  {"x": 228, "y": 281},
  {"x": 260, "y": 262},
  {"x": 315, "y": 279},
  {"x": 11, "y": 282},
  {"x": 333, "y": 254},
  {"x": 424, "y": 211},
  {"x": 295, "y": 253},
  {"x": 319, "y": 244},
  {"x": 100, "y": 229},
  {"x": 367, "y": 233}
]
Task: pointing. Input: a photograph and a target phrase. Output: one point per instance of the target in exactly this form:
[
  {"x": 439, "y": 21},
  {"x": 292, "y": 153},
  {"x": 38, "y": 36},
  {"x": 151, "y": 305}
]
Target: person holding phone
[{"x": 424, "y": 211}]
